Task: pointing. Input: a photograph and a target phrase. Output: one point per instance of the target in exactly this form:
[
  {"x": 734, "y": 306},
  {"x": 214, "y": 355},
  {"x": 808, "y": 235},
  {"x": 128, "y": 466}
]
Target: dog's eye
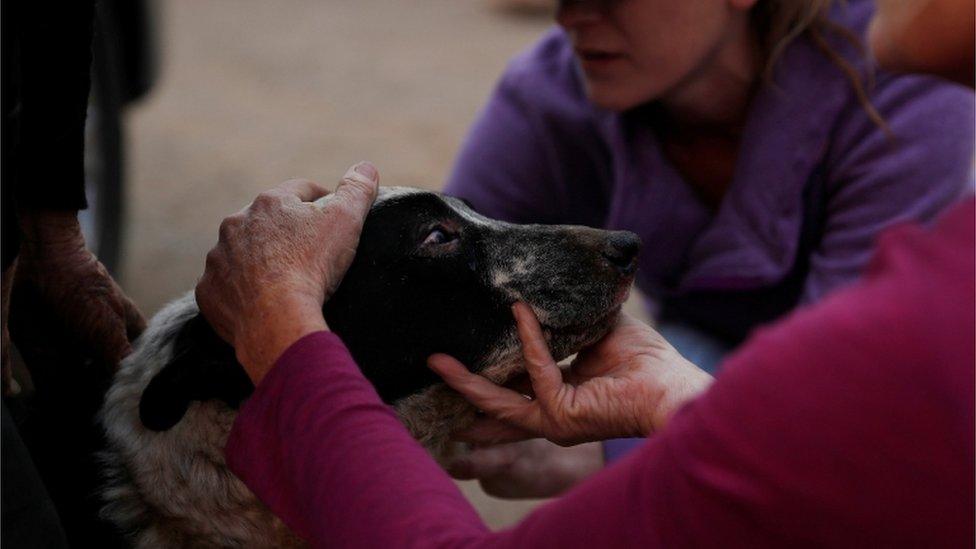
[{"x": 439, "y": 236}]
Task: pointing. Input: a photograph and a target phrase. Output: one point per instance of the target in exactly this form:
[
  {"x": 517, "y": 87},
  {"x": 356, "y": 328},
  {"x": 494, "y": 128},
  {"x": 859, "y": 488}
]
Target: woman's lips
[{"x": 598, "y": 59}]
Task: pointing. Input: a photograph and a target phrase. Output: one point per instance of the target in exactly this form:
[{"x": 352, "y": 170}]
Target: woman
[
  {"x": 849, "y": 424},
  {"x": 745, "y": 141}
]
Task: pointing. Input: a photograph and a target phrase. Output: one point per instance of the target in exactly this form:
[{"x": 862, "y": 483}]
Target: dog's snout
[{"x": 621, "y": 251}]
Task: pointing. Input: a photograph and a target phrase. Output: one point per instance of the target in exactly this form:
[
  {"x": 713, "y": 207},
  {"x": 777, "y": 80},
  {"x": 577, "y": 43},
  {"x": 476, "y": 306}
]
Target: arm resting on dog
[{"x": 850, "y": 424}]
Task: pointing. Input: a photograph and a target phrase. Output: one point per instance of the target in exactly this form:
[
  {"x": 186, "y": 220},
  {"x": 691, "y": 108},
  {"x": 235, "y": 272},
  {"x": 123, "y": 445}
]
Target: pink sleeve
[{"x": 850, "y": 424}]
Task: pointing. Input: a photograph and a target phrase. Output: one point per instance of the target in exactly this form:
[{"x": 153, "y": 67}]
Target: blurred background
[{"x": 248, "y": 93}]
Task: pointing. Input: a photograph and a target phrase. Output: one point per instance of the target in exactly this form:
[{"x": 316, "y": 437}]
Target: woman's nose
[{"x": 574, "y": 13}]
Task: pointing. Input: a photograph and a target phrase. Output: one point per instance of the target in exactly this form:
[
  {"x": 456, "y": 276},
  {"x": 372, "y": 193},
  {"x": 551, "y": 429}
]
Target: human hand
[
  {"x": 628, "y": 384},
  {"x": 277, "y": 262},
  {"x": 533, "y": 468},
  {"x": 74, "y": 287}
]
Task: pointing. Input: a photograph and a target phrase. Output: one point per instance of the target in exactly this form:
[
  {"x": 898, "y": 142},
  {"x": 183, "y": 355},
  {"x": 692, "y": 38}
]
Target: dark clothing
[
  {"x": 46, "y": 59},
  {"x": 46, "y": 77},
  {"x": 29, "y": 517}
]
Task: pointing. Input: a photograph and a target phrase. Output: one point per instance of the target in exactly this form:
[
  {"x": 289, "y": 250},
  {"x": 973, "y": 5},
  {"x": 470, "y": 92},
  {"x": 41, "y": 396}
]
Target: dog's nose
[{"x": 621, "y": 251}]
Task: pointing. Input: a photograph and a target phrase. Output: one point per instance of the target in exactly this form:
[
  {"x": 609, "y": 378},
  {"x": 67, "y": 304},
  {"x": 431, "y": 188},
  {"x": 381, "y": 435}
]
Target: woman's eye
[{"x": 439, "y": 236}]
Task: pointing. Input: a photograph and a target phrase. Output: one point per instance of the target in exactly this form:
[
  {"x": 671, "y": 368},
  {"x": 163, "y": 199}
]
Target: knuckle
[
  {"x": 357, "y": 189},
  {"x": 298, "y": 182},
  {"x": 229, "y": 226},
  {"x": 266, "y": 199}
]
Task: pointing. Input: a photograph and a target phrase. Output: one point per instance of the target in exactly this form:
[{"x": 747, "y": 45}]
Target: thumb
[{"x": 356, "y": 192}]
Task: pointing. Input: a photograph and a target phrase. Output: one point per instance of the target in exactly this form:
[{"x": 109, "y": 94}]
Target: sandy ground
[{"x": 253, "y": 92}]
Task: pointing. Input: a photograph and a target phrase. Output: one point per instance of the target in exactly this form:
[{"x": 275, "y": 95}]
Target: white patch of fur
[
  {"x": 523, "y": 265},
  {"x": 500, "y": 278},
  {"x": 173, "y": 488}
]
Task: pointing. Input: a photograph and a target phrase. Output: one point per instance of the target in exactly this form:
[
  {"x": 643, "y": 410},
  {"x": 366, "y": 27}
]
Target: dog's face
[{"x": 433, "y": 276}]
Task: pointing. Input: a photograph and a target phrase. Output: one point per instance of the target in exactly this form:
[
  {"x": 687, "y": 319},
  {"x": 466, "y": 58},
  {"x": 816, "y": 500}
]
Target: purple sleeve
[
  {"x": 877, "y": 179},
  {"x": 501, "y": 168}
]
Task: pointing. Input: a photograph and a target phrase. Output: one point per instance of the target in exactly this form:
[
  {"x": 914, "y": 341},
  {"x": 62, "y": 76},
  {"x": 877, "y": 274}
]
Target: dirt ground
[{"x": 253, "y": 92}]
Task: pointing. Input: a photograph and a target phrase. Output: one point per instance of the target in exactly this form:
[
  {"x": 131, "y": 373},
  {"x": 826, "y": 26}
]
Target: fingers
[
  {"x": 482, "y": 462},
  {"x": 133, "y": 320},
  {"x": 357, "y": 190},
  {"x": 105, "y": 332},
  {"x": 304, "y": 189},
  {"x": 135, "y": 323},
  {"x": 496, "y": 401},
  {"x": 490, "y": 431},
  {"x": 546, "y": 378}
]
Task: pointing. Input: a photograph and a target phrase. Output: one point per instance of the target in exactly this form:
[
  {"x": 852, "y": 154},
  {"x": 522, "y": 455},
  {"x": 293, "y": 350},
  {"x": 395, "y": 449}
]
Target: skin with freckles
[
  {"x": 287, "y": 256},
  {"x": 57, "y": 268}
]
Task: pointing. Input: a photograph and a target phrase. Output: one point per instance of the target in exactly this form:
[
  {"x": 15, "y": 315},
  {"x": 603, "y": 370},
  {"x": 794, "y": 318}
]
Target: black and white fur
[{"x": 430, "y": 275}]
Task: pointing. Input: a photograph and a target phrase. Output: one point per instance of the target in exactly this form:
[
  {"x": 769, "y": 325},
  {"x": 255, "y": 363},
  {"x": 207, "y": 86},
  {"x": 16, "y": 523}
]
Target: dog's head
[{"x": 433, "y": 276}]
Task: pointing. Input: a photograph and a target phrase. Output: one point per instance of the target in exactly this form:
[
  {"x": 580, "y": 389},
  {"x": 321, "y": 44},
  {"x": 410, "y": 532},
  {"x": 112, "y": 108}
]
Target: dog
[{"x": 430, "y": 275}]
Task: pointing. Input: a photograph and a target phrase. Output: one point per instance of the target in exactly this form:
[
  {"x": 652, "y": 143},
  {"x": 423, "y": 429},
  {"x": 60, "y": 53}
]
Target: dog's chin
[{"x": 568, "y": 340}]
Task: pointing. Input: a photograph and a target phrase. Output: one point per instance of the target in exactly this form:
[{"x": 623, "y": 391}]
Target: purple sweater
[
  {"x": 815, "y": 182},
  {"x": 848, "y": 425}
]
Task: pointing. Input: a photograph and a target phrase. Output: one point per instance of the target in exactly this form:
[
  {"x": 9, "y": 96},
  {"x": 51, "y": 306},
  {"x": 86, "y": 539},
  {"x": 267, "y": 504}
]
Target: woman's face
[{"x": 635, "y": 51}]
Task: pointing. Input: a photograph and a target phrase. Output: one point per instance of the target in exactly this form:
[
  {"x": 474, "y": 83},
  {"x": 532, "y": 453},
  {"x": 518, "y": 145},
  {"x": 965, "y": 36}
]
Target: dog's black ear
[{"x": 202, "y": 367}]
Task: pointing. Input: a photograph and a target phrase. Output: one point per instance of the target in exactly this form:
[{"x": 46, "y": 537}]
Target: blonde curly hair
[{"x": 780, "y": 22}]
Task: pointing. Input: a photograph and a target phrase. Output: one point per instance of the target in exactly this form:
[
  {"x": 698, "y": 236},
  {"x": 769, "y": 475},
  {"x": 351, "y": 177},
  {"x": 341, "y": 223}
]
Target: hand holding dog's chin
[
  {"x": 627, "y": 385},
  {"x": 278, "y": 261}
]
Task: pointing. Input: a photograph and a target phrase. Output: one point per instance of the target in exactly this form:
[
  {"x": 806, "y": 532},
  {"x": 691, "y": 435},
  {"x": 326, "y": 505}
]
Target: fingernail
[{"x": 367, "y": 169}]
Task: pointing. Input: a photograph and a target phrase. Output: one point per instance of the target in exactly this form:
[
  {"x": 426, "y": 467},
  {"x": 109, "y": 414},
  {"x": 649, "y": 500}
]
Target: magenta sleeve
[
  {"x": 316, "y": 445},
  {"x": 850, "y": 424}
]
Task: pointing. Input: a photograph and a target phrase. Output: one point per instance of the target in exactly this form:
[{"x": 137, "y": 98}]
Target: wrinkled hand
[
  {"x": 278, "y": 261},
  {"x": 533, "y": 468},
  {"x": 75, "y": 287},
  {"x": 628, "y": 384}
]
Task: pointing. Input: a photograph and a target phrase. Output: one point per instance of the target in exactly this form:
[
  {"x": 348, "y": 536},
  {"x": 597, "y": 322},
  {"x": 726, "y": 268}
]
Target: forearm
[
  {"x": 317, "y": 445},
  {"x": 319, "y": 448}
]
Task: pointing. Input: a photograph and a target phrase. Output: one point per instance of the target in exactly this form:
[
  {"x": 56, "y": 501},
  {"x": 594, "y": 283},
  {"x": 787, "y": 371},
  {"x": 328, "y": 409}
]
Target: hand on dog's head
[{"x": 431, "y": 276}]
